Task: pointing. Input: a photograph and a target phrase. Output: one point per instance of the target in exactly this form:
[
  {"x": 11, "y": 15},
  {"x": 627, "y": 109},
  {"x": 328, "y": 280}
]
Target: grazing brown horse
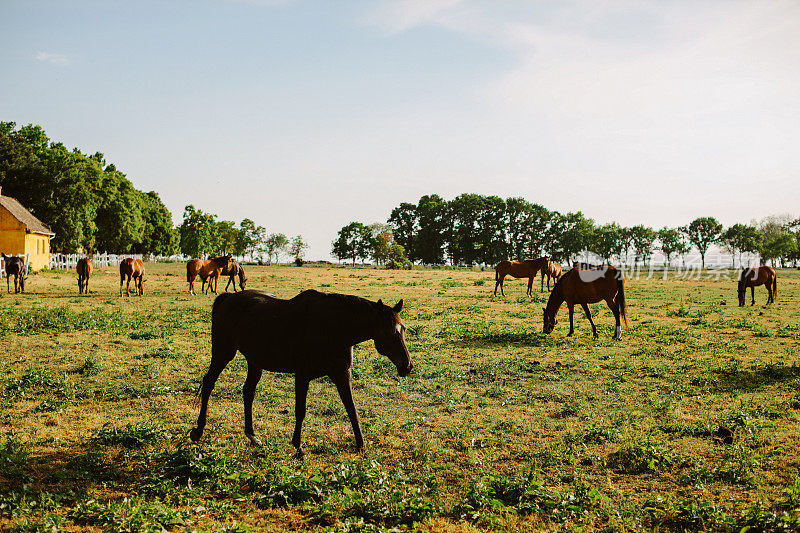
[
  {"x": 15, "y": 266},
  {"x": 84, "y": 269},
  {"x": 553, "y": 271},
  {"x": 129, "y": 269},
  {"x": 524, "y": 269},
  {"x": 209, "y": 271},
  {"x": 752, "y": 277},
  {"x": 587, "y": 287},
  {"x": 312, "y": 335},
  {"x": 232, "y": 270}
]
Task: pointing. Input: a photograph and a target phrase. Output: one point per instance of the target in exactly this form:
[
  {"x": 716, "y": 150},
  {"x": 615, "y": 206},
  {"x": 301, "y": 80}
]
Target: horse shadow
[{"x": 739, "y": 380}]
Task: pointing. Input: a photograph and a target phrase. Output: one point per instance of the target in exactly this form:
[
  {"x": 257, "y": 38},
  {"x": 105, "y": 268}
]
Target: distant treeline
[
  {"x": 474, "y": 229},
  {"x": 87, "y": 202},
  {"x": 91, "y": 205}
]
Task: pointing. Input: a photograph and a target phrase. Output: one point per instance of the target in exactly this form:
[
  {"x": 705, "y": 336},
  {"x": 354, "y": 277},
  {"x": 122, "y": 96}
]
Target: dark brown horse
[
  {"x": 133, "y": 269},
  {"x": 232, "y": 270},
  {"x": 524, "y": 269},
  {"x": 209, "y": 271},
  {"x": 15, "y": 266},
  {"x": 553, "y": 271},
  {"x": 752, "y": 277},
  {"x": 84, "y": 269},
  {"x": 312, "y": 335},
  {"x": 587, "y": 287}
]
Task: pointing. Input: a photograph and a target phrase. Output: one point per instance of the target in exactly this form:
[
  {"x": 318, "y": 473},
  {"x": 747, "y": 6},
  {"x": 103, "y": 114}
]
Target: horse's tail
[
  {"x": 623, "y": 310},
  {"x": 189, "y": 272},
  {"x": 774, "y": 287}
]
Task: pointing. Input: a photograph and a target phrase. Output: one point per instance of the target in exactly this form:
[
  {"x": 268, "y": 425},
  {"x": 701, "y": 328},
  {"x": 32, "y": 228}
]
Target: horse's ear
[
  {"x": 380, "y": 303},
  {"x": 399, "y": 307},
  {"x": 544, "y": 310}
]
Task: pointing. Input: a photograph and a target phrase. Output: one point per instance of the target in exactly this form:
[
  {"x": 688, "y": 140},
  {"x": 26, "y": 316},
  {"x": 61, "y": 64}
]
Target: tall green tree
[
  {"x": 87, "y": 203},
  {"x": 429, "y": 242},
  {"x": 572, "y": 235},
  {"x": 404, "y": 223},
  {"x": 739, "y": 239},
  {"x": 464, "y": 238},
  {"x": 540, "y": 240},
  {"x": 354, "y": 242},
  {"x": 381, "y": 240},
  {"x": 197, "y": 233},
  {"x": 642, "y": 239},
  {"x": 276, "y": 244},
  {"x": 297, "y": 248},
  {"x": 491, "y": 226},
  {"x": 159, "y": 236},
  {"x": 703, "y": 232},
  {"x": 671, "y": 242},
  {"x": 518, "y": 232},
  {"x": 605, "y": 241}
]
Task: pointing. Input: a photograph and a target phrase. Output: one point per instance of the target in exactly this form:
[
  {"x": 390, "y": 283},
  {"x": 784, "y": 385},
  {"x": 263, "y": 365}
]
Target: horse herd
[
  {"x": 208, "y": 270},
  {"x": 313, "y": 334}
]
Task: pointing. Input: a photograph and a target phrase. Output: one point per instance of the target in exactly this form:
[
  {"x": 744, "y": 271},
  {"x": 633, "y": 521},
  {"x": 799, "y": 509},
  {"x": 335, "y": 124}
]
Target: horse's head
[
  {"x": 550, "y": 321},
  {"x": 390, "y": 337},
  {"x": 242, "y": 280}
]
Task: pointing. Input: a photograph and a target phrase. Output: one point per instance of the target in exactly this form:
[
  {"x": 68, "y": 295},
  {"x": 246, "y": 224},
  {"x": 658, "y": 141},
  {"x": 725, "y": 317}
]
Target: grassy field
[{"x": 499, "y": 426}]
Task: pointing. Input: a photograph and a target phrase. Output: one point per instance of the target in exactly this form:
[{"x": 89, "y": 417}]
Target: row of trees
[
  {"x": 91, "y": 205},
  {"x": 202, "y": 235},
  {"x": 476, "y": 229},
  {"x": 376, "y": 241},
  {"x": 87, "y": 202}
]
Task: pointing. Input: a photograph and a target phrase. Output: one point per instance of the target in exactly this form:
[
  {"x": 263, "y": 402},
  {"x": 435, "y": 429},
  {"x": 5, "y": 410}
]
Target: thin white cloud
[{"x": 54, "y": 59}]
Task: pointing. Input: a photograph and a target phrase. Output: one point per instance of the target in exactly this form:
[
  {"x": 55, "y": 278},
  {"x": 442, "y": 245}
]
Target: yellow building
[{"x": 23, "y": 233}]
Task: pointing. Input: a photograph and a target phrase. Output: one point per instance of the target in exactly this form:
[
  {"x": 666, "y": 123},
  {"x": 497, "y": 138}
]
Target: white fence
[
  {"x": 60, "y": 261},
  {"x": 3, "y": 263}
]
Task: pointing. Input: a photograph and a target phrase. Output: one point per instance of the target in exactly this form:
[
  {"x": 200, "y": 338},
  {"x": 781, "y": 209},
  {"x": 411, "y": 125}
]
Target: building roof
[{"x": 33, "y": 224}]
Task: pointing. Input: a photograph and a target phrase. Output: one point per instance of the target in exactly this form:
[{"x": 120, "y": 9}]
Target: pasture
[{"x": 498, "y": 427}]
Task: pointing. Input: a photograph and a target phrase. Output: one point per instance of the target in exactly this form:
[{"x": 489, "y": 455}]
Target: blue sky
[{"x": 306, "y": 115}]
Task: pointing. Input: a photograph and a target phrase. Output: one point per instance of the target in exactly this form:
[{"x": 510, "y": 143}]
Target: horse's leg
[
  {"x": 589, "y": 316},
  {"x": 300, "y": 395},
  {"x": 248, "y": 393},
  {"x": 8, "y": 283},
  {"x": 615, "y": 309},
  {"x": 502, "y": 279},
  {"x": 496, "y": 284},
  {"x": 344, "y": 385},
  {"x": 529, "y": 292},
  {"x": 121, "y": 283},
  {"x": 571, "y": 308},
  {"x": 753, "y": 294},
  {"x": 229, "y": 284},
  {"x": 221, "y": 355}
]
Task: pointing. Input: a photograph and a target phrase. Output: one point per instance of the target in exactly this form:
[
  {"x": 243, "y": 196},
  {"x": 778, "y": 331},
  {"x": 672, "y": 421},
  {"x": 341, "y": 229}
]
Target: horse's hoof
[
  {"x": 299, "y": 454},
  {"x": 195, "y": 434},
  {"x": 254, "y": 441}
]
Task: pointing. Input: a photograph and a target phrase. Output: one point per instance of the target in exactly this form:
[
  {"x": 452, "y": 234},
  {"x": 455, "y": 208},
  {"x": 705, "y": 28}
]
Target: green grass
[{"x": 499, "y": 427}]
